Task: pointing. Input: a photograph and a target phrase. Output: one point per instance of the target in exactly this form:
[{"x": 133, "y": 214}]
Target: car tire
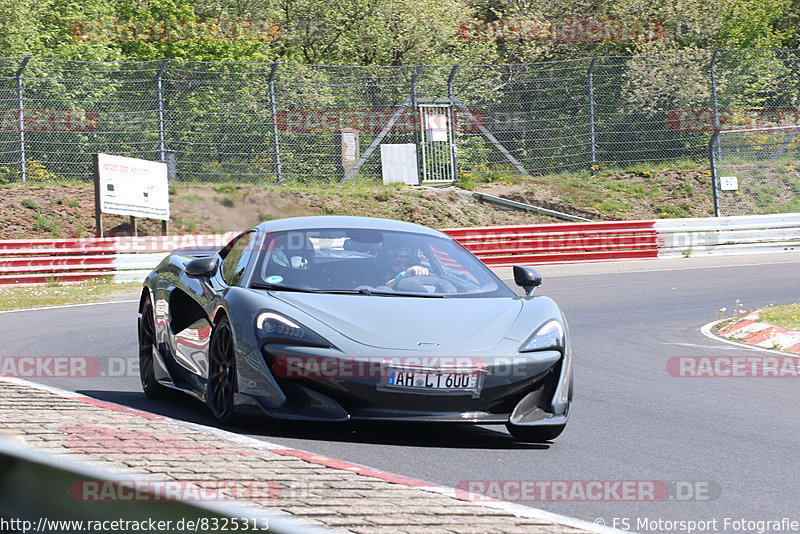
[
  {"x": 535, "y": 434},
  {"x": 147, "y": 338},
  {"x": 221, "y": 385}
]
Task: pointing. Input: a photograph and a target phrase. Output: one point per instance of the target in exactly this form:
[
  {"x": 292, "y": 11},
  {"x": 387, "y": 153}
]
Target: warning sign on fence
[{"x": 436, "y": 126}]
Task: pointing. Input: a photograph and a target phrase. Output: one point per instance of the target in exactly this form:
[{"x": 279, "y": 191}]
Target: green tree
[
  {"x": 753, "y": 24},
  {"x": 18, "y": 34}
]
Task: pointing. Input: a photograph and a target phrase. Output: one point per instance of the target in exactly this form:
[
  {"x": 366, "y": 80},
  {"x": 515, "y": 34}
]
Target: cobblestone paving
[{"x": 284, "y": 481}]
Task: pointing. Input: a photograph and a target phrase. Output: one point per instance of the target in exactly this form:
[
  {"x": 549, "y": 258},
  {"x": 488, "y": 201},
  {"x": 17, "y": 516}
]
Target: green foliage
[
  {"x": 190, "y": 225},
  {"x": 468, "y": 178},
  {"x": 367, "y": 32},
  {"x": 225, "y": 188},
  {"x": 787, "y": 316},
  {"x": 751, "y": 24},
  {"x": 670, "y": 211},
  {"x": 45, "y": 223},
  {"x": 374, "y": 32},
  {"x": 614, "y": 206},
  {"x": 384, "y": 195}
]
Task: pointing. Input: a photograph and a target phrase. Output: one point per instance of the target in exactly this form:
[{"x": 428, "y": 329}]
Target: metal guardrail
[
  {"x": 750, "y": 234},
  {"x": 35, "y": 487},
  {"x": 512, "y": 204},
  {"x": 39, "y": 261}
]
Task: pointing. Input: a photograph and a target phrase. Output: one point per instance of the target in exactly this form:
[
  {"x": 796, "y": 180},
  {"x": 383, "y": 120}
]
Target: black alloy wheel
[
  {"x": 147, "y": 339},
  {"x": 221, "y": 373}
]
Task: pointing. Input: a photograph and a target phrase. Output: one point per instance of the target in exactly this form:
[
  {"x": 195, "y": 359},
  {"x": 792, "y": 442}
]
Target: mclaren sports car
[{"x": 349, "y": 318}]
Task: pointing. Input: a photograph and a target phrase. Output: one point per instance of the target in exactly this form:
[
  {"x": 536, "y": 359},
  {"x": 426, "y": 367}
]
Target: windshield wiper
[
  {"x": 396, "y": 294},
  {"x": 276, "y": 287},
  {"x": 362, "y": 291}
]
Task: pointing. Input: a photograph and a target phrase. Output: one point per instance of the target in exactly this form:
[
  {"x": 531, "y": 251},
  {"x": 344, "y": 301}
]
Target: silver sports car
[{"x": 338, "y": 318}]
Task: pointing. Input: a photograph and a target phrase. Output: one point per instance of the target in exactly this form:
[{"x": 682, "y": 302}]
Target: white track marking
[{"x": 70, "y": 305}]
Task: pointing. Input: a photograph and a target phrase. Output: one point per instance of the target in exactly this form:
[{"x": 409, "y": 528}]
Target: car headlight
[
  {"x": 275, "y": 328},
  {"x": 549, "y": 336}
]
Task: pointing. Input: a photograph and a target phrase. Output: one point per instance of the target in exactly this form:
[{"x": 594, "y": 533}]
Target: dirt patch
[
  {"x": 60, "y": 211},
  {"x": 46, "y": 211},
  {"x": 616, "y": 195},
  {"x": 56, "y": 210}
]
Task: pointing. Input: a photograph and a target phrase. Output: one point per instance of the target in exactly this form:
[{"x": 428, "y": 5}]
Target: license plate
[{"x": 432, "y": 381}]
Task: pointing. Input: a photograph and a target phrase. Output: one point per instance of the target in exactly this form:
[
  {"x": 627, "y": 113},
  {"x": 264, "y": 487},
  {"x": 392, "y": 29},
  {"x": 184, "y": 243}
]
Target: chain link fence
[
  {"x": 276, "y": 123},
  {"x": 755, "y": 155},
  {"x": 756, "y": 171}
]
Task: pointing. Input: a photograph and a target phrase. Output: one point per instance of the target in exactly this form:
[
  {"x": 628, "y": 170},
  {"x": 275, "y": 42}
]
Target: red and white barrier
[
  {"x": 500, "y": 246},
  {"x": 73, "y": 260},
  {"x": 132, "y": 258}
]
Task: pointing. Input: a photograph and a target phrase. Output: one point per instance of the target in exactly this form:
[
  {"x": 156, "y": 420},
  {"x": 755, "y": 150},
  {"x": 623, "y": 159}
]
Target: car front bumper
[{"x": 524, "y": 389}]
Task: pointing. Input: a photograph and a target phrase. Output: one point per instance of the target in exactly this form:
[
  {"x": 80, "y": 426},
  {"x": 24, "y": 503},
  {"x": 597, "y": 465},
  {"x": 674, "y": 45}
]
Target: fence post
[
  {"x": 162, "y": 144},
  {"x": 451, "y": 98},
  {"x": 590, "y": 87},
  {"x": 417, "y": 122},
  {"x": 711, "y": 143},
  {"x": 715, "y": 104},
  {"x": 21, "y": 116},
  {"x": 275, "y": 140}
]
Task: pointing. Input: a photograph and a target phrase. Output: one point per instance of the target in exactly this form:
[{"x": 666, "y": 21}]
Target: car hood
[{"x": 408, "y": 323}]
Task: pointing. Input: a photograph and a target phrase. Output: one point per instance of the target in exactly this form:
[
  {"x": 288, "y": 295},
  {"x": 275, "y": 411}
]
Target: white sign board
[
  {"x": 135, "y": 187},
  {"x": 728, "y": 183},
  {"x": 399, "y": 164},
  {"x": 437, "y": 127}
]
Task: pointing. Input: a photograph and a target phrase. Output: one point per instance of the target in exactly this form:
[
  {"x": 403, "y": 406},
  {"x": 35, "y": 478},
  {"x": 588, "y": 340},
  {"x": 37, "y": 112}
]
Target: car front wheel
[
  {"x": 222, "y": 373},
  {"x": 147, "y": 339}
]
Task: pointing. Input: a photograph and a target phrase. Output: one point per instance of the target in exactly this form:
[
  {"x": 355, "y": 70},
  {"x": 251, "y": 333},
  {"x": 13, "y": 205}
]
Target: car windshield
[{"x": 373, "y": 262}]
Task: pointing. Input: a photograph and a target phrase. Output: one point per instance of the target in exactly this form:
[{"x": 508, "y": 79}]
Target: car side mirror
[
  {"x": 527, "y": 278},
  {"x": 202, "y": 267}
]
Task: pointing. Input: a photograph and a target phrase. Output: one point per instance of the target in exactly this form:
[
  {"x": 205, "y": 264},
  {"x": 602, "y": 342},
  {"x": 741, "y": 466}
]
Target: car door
[{"x": 191, "y": 310}]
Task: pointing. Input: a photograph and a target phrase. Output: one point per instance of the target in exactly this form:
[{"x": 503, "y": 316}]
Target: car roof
[{"x": 338, "y": 221}]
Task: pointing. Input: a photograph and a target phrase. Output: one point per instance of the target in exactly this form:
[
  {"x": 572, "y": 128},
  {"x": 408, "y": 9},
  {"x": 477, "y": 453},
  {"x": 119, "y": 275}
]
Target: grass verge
[
  {"x": 54, "y": 294},
  {"x": 787, "y": 316}
]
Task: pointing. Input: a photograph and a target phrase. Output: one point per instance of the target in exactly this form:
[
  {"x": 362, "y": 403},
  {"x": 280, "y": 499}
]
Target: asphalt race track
[{"x": 727, "y": 446}]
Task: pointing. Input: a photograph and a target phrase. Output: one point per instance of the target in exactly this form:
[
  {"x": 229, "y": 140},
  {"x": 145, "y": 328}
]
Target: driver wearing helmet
[{"x": 404, "y": 265}]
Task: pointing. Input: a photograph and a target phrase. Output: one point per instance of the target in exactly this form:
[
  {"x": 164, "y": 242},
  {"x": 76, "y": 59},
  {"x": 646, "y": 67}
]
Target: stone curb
[
  {"x": 750, "y": 330},
  {"x": 315, "y": 488}
]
